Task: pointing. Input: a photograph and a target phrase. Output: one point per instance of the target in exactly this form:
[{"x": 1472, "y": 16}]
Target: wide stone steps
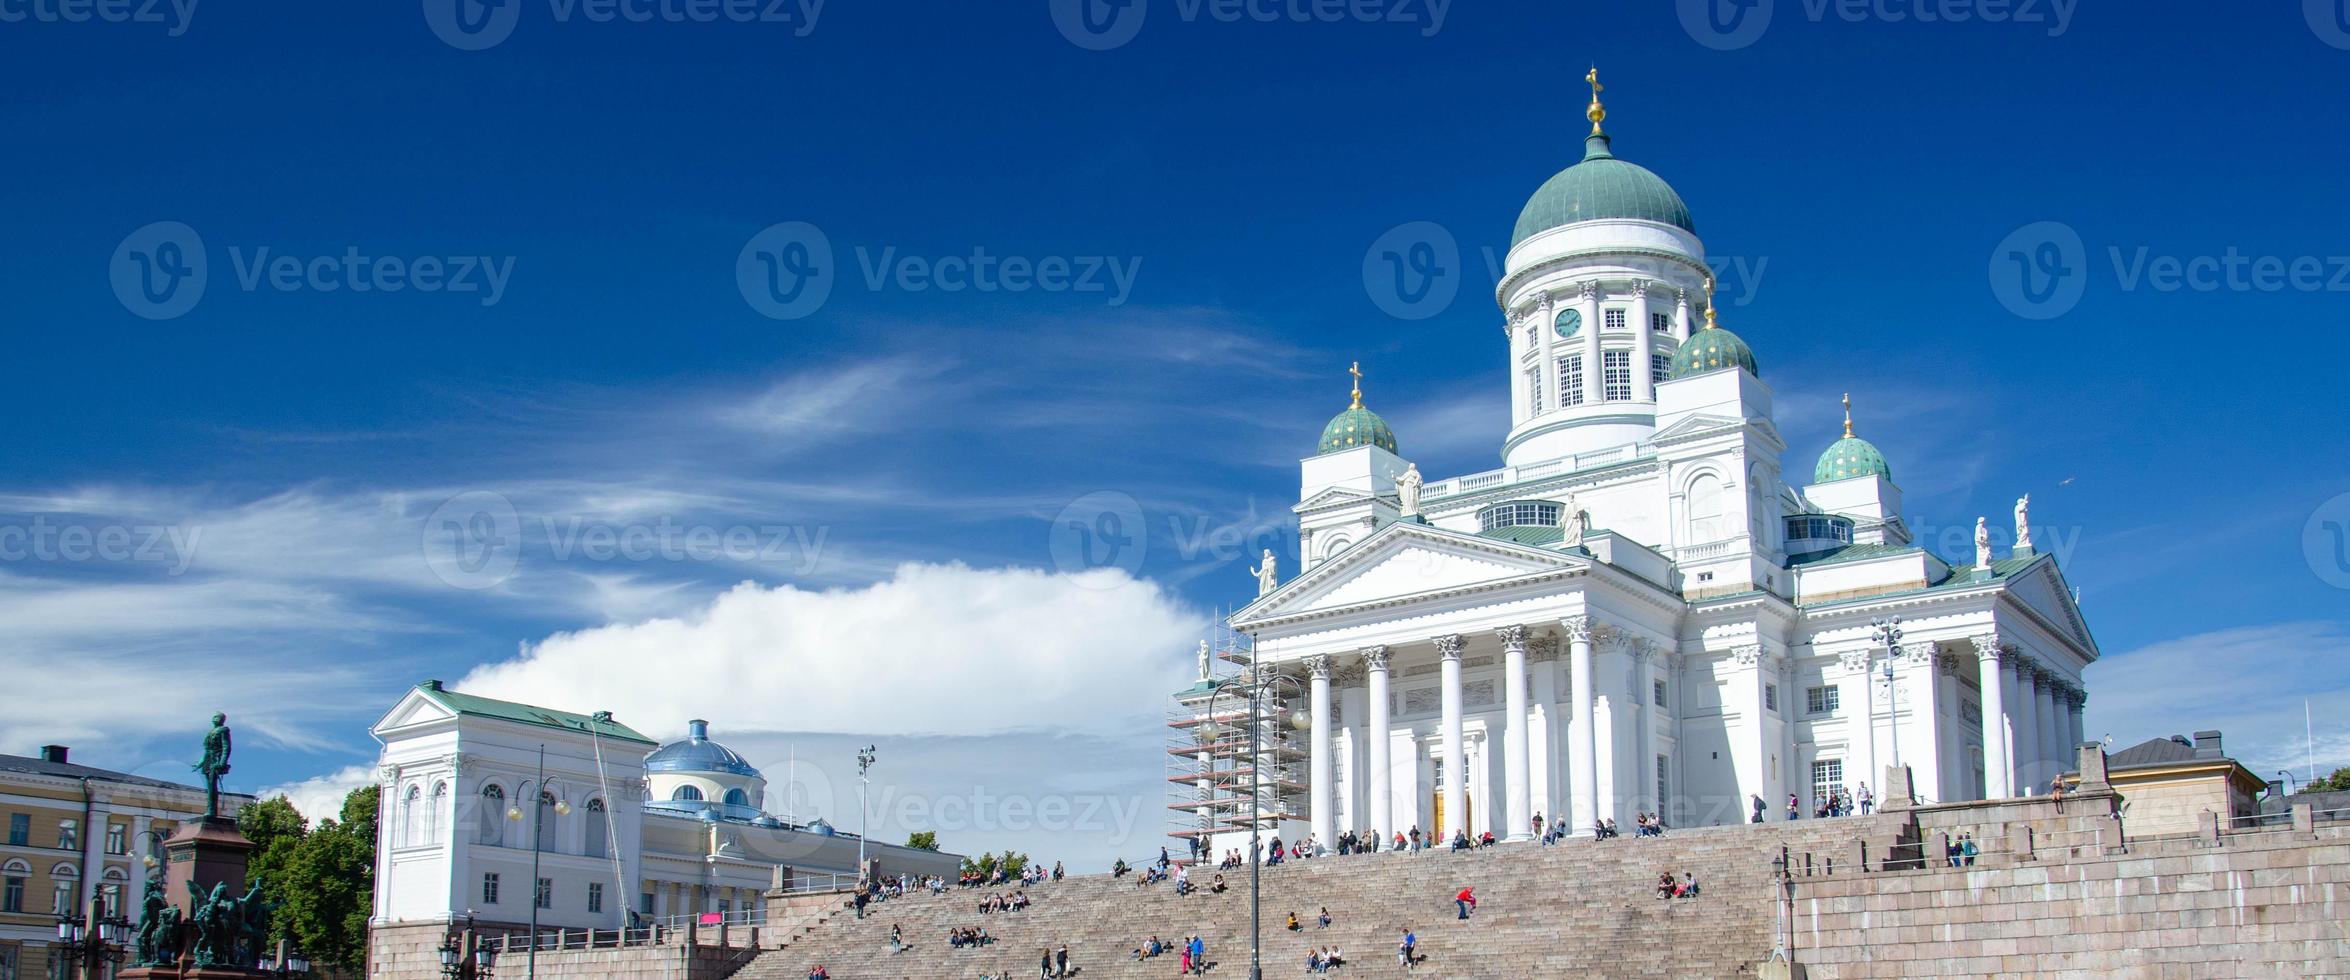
[{"x": 1581, "y": 908}]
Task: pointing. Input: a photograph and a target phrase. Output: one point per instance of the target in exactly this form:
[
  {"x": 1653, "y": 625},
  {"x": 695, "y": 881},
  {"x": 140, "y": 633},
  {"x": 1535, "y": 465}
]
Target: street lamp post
[
  {"x": 538, "y": 819},
  {"x": 1887, "y": 632},
  {"x": 864, "y": 815},
  {"x": 90, "y": 944},
  {"x": 465, "y": 956},
  {"x": 289, "y": 965},
  {"x": 1256, "y": 686}
]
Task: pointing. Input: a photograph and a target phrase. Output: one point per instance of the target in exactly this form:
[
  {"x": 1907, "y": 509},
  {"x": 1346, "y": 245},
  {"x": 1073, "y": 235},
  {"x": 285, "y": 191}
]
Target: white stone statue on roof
[
  {"x": 1982, "y": 543},
  {"x": 1203, "y": 660},
  {"x": 1267, "y": 578},
  {"x": 1571, "y": 523},
  {"x": 2023, "y": 523},
  {"x": 1407, "y": 490}
]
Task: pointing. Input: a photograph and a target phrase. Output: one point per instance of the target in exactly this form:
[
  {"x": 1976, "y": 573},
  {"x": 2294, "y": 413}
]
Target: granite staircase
[{"x": 1581, "y": 908}]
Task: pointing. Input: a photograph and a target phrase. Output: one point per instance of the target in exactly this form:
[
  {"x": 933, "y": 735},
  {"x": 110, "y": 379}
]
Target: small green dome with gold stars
[
  {"x": 1851, "y": 456},
  {"x": 1712, "y": 349},
  {"x": 1357, "y": 426}
]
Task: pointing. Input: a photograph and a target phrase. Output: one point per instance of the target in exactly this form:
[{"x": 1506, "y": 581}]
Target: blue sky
[{"x": 892, "y": 461}]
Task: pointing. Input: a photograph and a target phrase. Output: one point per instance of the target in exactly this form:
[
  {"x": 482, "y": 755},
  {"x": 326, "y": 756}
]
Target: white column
[
  {"x": 1323, "y": 806},
  {"x": 1991, "y": 672},
  {"x": 1545, "y": 366},
  {"x": 1949, "y": 739},
  {"x": 1542, "y": 729},
  {"x": 1582, "y": 758},
  {"x": 1643, "y": 714},
  {"x": 1643, "y": 343},
  {"x": 1382, "y": 801},
  {"x": 1456, "y": 764},
  {"x": 2052, "y": 731},
  {"x": 2080, "y": 706},
  {"x": 2023, "y": 711},
  {"x": 1593, "y": 387},
  {"x": 1518, "y": 805}
]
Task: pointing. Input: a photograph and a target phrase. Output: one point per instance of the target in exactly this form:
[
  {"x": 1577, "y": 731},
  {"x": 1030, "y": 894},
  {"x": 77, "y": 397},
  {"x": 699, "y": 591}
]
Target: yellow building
[
  {"x": 2167, "y": 783},
  {"x": 73, "y": 834}
]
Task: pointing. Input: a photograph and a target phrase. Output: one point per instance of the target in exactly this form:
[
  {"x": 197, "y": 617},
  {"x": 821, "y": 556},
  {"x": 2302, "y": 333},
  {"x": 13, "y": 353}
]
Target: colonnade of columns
[{"x": 2031, "y": 719}]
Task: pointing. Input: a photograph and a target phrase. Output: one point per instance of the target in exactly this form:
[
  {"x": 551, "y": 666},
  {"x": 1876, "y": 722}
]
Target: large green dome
[
  {"x": 1357, "y": 426},
  {"x": 1712, "y": 349},
  {"x": 1601, "y": 186},
  {"x": 1849, "y": 457}
]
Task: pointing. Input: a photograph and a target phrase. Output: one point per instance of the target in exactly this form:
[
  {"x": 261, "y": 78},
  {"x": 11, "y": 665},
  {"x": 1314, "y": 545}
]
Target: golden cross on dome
[
  {"x": 1356, "y": 369},
  {"x": 1597, "y": 112},
  {"x": 1709, "y": 301},
  {"x": 1848, "y": 415}
]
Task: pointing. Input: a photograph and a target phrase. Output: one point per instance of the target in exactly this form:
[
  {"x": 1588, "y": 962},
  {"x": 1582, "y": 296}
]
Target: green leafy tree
[
  {"x": 923, "y": 840},
  {"x": 276, "y": 830},
  {"x": 1010, "y": 862},
  {"x": 2339, "y": 782},
  {"x": 319, "y": 881}
]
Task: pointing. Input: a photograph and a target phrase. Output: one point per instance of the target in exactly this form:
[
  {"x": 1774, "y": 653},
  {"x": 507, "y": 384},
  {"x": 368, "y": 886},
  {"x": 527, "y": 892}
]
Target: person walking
[
  {"x": 1758, "y": 808},
  {"x": 1466, "y": 900},
  {"x": 1061, "y": 961}
]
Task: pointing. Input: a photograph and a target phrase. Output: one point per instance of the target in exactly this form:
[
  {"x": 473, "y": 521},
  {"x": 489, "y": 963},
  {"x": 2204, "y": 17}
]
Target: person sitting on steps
[
  {"x": 1293, "y": 926},
  {"x": 1665, "y": 886},
  {"x": 1460, "y": 840}
]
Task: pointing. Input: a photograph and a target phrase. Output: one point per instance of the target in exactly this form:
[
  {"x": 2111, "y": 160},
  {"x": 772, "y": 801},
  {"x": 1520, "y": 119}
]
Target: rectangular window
[
  {"x": 117, "y": 839},
  {"x": 1771, "y": 697},
  {"x": 111, "y": 894},
  {"x": 546, "y": 894},
  {"x": 1827, "y": 779},
  {"x": 595, "y": 896},
  {"x": 1822, "y": 700},
  {"x": 8, "y": 962},
  {"x": 1614, "y": 319},
  {"x": 1534, "y": 389},
  {"x": 12, "y": 894},
  {"x": 489, "y": 888},
  {"x": 69, "y": 835},
  {"x": 20, "y": 829},
  {"x": 1660, "y": 368},
  {"x": 1660, "y": 322},
  {"x": 1570, "y": 381},
  {"x": 1664, "y": 781},
  {"x": 1616, "y": 375},
  {"x": 644, "y": 903},
  {"x": 61, "y": 901},
  {"x": 1659, "y": 694}
]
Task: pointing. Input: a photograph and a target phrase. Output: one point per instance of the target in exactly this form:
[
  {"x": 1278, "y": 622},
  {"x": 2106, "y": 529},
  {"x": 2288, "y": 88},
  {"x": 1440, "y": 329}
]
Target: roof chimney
[
  {"x": 432, "y": 685},
  {"x": 53, "y": 753},
  {"x": 2207, "y": 745},
  {"x": 698, "y": 730}
]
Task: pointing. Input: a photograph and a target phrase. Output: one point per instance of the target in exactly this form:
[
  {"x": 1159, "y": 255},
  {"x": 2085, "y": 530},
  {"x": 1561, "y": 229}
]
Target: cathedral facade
[{"x": 1643, "y": 610}]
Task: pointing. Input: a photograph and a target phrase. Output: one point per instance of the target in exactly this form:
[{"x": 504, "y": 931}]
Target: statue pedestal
[
  {"x": 149, "y": 973},
  {"x": 207, "y": 851}
]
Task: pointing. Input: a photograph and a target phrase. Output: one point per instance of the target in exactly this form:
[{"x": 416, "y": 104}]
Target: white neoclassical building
[{"x": 1641, "y": 610}]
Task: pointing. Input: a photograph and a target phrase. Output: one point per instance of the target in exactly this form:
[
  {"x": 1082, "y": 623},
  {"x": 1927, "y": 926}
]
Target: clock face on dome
[{"x": 1569, "y": 321}]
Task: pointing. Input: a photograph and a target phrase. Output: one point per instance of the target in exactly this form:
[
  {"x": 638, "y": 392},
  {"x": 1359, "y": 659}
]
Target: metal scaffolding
[{"x": 1209, "y": 771}]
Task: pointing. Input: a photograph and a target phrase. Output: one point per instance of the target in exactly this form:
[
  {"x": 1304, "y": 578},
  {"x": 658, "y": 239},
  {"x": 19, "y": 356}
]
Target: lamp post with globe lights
[
  {"x": 864, "y": 816},
  {"x": 1257, "y": 686},
  {"x": 538, "y": 819},
  {"x": 465, "y": 957},
  {"x": 91, "y": 941},
  {"x": 1887, "y": 633}
]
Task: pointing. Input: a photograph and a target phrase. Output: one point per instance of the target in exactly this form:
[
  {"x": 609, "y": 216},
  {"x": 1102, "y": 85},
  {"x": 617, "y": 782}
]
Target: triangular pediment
[
  {"x": 1333, "y": 497},
  {"x": 413, "y": 709},
  {"x": 1695, "y": 425},
  {"x": 1404, "y": 561},
  {"x": 2043, "y": 590}
]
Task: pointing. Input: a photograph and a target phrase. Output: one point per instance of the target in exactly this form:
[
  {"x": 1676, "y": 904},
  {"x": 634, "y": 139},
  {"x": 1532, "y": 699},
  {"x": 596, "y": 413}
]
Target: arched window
[
  {"x": 736, "y": 797},
  {"x": 493, "y": 814},
  {"x": 12, "y": 882},
  {"x": 686, "y": 793},
  {"x": 599, "y": 838},
  {"x": 110, "y": 890},
  {"x": 1705, "y": 509},
  {"x": 546, "y": 821},
  {"x": 410, "y": 834},
  {"x": 433, "y": 811},
  {"x": 65, "y": 880},
  {"x": 1336, "y": 545}
]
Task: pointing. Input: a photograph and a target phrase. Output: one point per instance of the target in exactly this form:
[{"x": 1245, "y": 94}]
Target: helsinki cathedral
[{"x": 1645, "y": 609}]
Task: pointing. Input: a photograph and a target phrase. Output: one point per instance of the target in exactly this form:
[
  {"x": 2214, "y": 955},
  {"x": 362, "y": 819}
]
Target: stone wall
[{"x": 2217, "y": 905}]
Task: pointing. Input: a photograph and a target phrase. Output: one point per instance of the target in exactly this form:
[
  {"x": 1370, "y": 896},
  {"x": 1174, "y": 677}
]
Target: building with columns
[
  {"x": 626, "y": 830},
  {"x": 1641, "y": 610}
]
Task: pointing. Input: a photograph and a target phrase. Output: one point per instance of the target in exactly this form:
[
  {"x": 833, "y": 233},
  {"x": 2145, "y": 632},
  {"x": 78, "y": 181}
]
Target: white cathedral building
[{"x": 1641, "y": 610}]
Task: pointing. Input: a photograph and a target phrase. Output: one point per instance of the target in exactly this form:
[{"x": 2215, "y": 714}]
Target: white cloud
[
  {"x": 321, "y": 797},
  {"x": 2247, "y": 683},
  {"x": 933, "y": 650}
]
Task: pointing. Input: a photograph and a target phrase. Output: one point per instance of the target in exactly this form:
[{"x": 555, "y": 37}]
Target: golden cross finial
[
  {"x": 1356, "y": 369},
  {"x": 1709, "y": 301},
  {"x": 1848, "y": 415},
  {"x": 1597, "y": 112}
]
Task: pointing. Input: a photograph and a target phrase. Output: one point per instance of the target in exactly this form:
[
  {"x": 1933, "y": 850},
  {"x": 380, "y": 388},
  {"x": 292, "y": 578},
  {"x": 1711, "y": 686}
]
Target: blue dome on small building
[
  {"x": 1712, "y": 349},
  {"x": 696, "y": 753},
  {"x": 1851, "y": 456}
]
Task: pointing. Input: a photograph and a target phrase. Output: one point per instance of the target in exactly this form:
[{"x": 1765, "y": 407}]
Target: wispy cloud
[{"x": 2249, "y": 684}]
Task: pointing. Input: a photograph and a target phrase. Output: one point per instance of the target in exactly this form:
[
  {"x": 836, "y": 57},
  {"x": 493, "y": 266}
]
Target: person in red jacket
[{"x": 1466, "y": 900}]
